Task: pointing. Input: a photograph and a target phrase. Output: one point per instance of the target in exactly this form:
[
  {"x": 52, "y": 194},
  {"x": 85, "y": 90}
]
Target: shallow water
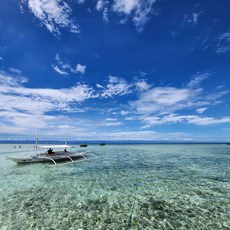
[{"x": 127, "y": 187}]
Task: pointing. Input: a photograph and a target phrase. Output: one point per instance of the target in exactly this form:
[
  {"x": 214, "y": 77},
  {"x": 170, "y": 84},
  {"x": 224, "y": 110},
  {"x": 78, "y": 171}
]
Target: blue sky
[{"x": 154, "y": 70}]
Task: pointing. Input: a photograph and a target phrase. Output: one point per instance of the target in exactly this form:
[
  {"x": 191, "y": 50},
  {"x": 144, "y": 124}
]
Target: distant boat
[
  {"x": 83, "y": 145},
  {"x": 102, "y": 144}
]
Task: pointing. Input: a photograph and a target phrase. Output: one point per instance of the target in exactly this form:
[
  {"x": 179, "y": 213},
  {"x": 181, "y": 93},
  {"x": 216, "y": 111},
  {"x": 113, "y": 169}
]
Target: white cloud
[
  {"x": 144, "y": 136},
  {"x": 54, "y": 14},
  {"x": 149, "y": 121},
  {"x": 116, "y": 86},
  {"x": 223, "y": 43},
  {"x": 195, "y": 17},
  {"x": 58, "y": 70},
  {"x": 11, "y": 79},
  {"x": 81, "y": 1},
  {"x": 14, "y": 70},
  {"x": 143, "y": 74},
  {"x": 99, "y": 86},
  {"x": 125, "y": 6},
  {"x": 208, "y": 120},
  {"x": 201, "y": 110},
  {"x": 142, "y": 14},
  {"x": 25, "y": 109},
  {"x": 111, "y": 119},
  {"x": 197, "y": 79},
  {"x": 163, "y": 100},
  {"x": 124, "y": 113},
  {"x": 15, "y": 96},
  {"x": 49, "y": 127},
  {"x": 139, "y": 11},
  {"x": 64, "y": 68},
  {"x": 142, "y": 85},
  {"x": 110, "y": 123},
  {"x": 196, "y": 120},
  {"x": 102, "y": 6},
  {"x": 80, "y": 68},
  {"x": 192, "y": 18},
  {"x": 105, "y": 15},
  {"x": 157, "y": 105},
  {"x": 46, "y": 108}
]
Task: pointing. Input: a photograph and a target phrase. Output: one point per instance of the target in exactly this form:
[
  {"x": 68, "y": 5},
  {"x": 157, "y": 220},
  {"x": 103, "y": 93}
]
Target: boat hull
[{"x": 48, "y": 158}]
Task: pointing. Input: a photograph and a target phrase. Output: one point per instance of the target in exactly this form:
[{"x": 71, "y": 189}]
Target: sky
[{"x": 115, "y": 70}]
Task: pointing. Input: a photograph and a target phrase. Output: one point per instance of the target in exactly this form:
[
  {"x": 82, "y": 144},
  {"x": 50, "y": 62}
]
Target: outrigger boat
[{"x": 53, "y": 154}]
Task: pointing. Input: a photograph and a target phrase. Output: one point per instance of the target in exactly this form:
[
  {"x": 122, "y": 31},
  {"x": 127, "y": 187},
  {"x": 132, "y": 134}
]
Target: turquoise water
[{"x": 162, "y": 186}]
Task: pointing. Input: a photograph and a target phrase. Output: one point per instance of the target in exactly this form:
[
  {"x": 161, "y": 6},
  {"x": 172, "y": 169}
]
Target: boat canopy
[{"x": 53, "y": 146}]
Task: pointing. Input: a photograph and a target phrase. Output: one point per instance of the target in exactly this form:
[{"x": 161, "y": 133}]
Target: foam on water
[{"x": 174, "y": 187}]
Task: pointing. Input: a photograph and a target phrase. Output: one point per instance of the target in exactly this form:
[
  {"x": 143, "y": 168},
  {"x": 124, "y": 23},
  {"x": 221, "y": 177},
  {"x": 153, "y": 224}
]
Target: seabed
[{"x": 158, "y": 186}]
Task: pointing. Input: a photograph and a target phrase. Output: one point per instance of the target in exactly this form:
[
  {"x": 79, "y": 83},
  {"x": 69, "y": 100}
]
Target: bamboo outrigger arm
[{"x": 48, "y": 158}]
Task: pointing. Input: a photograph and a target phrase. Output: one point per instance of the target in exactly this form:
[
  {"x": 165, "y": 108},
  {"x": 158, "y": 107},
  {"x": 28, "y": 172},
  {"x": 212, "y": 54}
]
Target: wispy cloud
[
  {"x": 116, "y": 86},
  {"x": 196, "y": 120},
  {"x": 64, "y": 68},
  {"x": 143, "y": 14},
  {"x": 110, "y": 122},
  {"x": 100, "y": 5},
  {"x": 149, "y": 121},
  {"x": 50, "y": 127},
  {"x": 58, "y": 70},
  {"x": 47, "y": 108},
  {"x": 43, "y": 109},
  {"x": 56, "y": 15},
  {"x": 103, "y": 6},
  {"x": 223, "y": 43},
  {"x": 192, "y": 18},
  {"x": 80, "y": 68},
  {"x": 156, "y": 105},
  {"x": 163, "y": 100},
  {"x": 140, "y": 11},
  {"x": 144, "y": 136},
  {"x": 142, "y": 85},
  {"x": 197, "y": 79},
  {"x": 125, "y": 6},
  {"x": 12, "y": 79},
  {"x": 14, "y": 70},
  {"x": 15, "y": 96},
  {"x": 81, "y": 1},
  {"x": 61, "y": 67},
  {"x": 201, "y": 110},
  {"x": 53, "y": 14}
]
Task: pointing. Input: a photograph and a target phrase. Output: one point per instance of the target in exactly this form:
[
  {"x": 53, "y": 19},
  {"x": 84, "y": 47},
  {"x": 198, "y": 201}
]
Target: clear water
[{"x": 162, "y": 186}]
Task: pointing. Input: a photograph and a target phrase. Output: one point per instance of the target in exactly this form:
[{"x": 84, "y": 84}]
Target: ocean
[{"x": 129, "y": 186}]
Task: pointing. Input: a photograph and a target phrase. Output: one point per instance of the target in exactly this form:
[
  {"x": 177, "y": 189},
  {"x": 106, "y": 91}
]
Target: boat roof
[{"x": 53, "y": 146}]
